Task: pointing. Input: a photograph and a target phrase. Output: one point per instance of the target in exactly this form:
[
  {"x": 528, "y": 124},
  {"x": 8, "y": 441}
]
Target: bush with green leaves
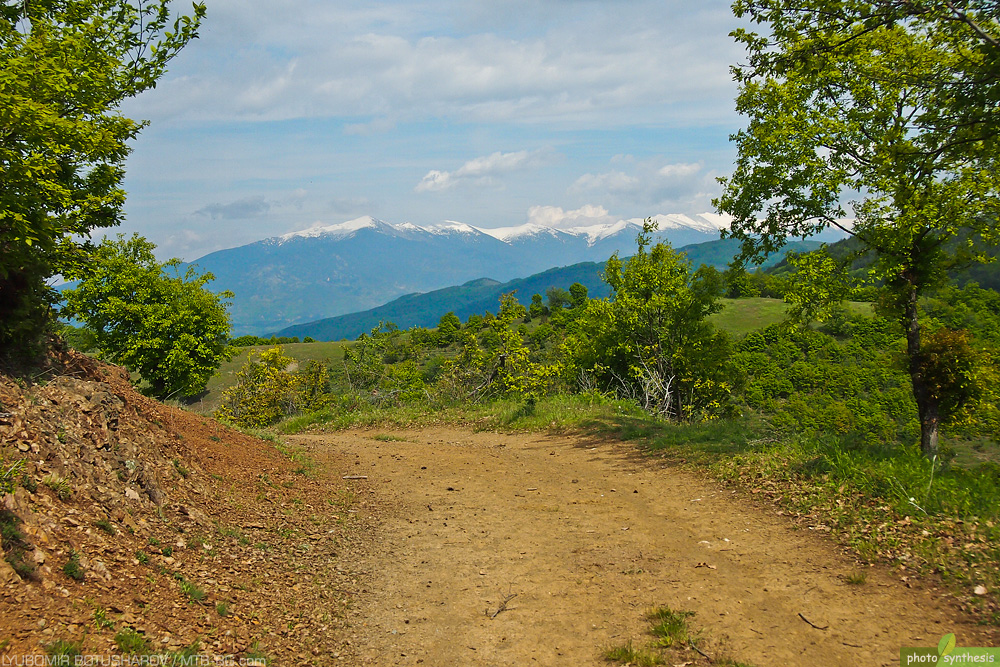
[
  {"x": 265, "y": 391},
  {"x": 146, "y": 315},
  {"x": 651, "y": 340}
]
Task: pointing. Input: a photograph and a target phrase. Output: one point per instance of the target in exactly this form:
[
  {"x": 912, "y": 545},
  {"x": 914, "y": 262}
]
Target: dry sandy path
[{"x": 589, "y": 536}]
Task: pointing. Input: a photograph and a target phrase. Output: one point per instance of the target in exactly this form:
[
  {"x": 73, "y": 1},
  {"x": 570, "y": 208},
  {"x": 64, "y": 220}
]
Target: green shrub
[{"x": 72, "y": 568}]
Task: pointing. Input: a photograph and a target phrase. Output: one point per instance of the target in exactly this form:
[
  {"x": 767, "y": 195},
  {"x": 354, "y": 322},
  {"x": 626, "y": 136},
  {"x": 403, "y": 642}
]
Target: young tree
[
  {"x": 66, "y": 67},
  {"x": 845, "y": 121},
  {"x": 652, "y": 337},
  {"x": 167, "y": 327},
  {"x": 578, "y": 295}
]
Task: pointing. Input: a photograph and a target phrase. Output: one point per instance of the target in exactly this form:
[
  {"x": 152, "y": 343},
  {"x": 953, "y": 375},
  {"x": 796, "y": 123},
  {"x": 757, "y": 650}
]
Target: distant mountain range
[
  {"x": 353, "y": 266},
  {"x": 479, "y": 296}
]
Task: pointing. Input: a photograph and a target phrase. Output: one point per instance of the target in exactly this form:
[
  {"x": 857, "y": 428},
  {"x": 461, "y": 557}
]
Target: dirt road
[{"x": 582, "y": 537}]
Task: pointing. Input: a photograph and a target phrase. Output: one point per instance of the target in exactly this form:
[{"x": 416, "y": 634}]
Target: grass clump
[
  {"x": 388, "y": 437},
  {"x": 858, "y": 578},
  {"x": 101, "y": 620},
  {"x": 181, "y": 470},
  {"x": 72, "y": 568},
  {"x": 131, "y": 642},
  {"x": 63, "y": 648},
  {"x": 255, "y": 656},
  {"x": 9, "y": 473},
  {"x": 14, "y": 546},
  {"x": 106, "y": 526},
  {"x": 673, "y": 642},
  {"x": 630, "y": 655},
  {"x": 59, "y": 486},
  {"x": 192, "y": 591},
  {"x": 669, "y": 627}
]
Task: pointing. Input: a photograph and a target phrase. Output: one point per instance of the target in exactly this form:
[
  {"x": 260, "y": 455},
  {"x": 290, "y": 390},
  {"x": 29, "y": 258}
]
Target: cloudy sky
[{"x": 290, "y": 113}]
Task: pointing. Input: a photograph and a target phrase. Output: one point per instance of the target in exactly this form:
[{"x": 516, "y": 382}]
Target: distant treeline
[{"x": 249, "y": 341}]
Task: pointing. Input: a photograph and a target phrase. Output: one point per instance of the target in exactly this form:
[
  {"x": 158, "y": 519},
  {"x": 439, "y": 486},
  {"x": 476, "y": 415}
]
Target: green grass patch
[
  {"x": 131, "y": 642},
  {"x": 72, "y": 568},
  {"x": 62, "y": 648},
  {"x": 669, "y": 627},
  {"x": 106, "y": 526}
]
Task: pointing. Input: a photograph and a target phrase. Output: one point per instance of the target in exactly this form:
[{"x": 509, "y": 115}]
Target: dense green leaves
[
  {"x": 651, "y": 339},
  {"x": 846, "y": 108},
  {"x": 166, "y": 327},
  {"x": 65, "y": 67}
]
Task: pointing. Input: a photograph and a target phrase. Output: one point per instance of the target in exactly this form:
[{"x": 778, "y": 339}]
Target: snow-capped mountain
[{"x": 329, "y": 270}]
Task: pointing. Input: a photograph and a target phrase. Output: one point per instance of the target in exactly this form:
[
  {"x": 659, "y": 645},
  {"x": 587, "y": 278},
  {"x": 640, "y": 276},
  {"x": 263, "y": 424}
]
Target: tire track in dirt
[{"x": 588, "y": 535}]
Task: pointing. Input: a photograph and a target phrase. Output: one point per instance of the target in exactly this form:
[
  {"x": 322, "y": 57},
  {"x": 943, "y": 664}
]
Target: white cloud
[
  {"x": 651, "y": 185},
  {"x": 481, "y": 170},
  {"x": 556, "y": 216},
  {"x": 247, "y": 207},
  {"x": 613, "y": 181},
  {"x": 624, "y": 62}
]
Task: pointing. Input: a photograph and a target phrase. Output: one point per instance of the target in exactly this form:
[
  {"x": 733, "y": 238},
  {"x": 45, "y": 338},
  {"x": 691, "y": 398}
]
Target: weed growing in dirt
[
  {"x": 669, "y": 627},
  {"x": 9, "y": 473},
  {"x": 142, "y": 556},
  {"x": 192, "y": 591},
  {"x": 628, "y": 654},
  {"x": 106, "y": 526},
  {"x": 196, "y": 541},
  {"x": 181, "y": 470},
  {"x": 388, "y": 437},
  {"x": 167, "y": 551},
  {"x": 222, "y": 609},
  {"x": 59, "y": 486},
  {"x": 673, "y": 641},
  {"x": 255, "y": 655},
  {"x": 131, "y": 642},
  {"x": 184, "y": 655},
  {"x": 858, "y": 578},
  {"x": 72, "y": 568},
  {"x": 63, "y": 648},
  {"x": 28, "y": 483},
  {"x": 14, "y": 547},
  {"x": 101, "y": 620}
]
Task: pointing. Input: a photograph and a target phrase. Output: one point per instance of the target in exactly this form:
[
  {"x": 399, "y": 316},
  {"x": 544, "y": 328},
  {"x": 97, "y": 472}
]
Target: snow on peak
[
  {"x": 509, "y": 234},
  {"x": 340, "y": 230},
  {"x": 450, "y": 226},
  {"x": 704, "y": 222}
]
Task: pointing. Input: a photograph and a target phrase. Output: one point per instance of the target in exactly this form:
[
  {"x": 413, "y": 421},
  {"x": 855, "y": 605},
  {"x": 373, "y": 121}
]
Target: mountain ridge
[{"x": 330, "y": 270}]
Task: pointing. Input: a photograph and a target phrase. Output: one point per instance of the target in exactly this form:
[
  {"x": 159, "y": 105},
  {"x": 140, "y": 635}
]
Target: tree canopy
[
  {"x": 850, "y": 117},
  {"x": 65, "y": 67},
  {"x": 145, "y": 315}
]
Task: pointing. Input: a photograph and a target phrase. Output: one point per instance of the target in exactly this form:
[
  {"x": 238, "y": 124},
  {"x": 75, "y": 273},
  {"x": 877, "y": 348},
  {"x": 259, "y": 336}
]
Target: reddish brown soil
[
  {"x": 271, "y": 543},
  {"x": 588, "y": 536},
  {"x": 449, "y": 547}
]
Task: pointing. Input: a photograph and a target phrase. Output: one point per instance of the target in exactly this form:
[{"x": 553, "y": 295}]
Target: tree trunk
[{"x": 927, "y": 404}]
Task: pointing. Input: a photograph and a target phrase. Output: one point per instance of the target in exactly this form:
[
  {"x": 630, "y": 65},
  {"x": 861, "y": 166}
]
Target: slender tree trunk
[{"x": 927, "y": 405}]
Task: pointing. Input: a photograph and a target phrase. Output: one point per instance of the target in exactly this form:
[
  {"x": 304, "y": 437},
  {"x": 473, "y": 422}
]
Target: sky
[{"x": 287, "y": 114}]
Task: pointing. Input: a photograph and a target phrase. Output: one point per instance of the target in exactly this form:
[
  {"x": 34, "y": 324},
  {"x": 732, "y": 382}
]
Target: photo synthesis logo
[{"x": 949, "y": 653}]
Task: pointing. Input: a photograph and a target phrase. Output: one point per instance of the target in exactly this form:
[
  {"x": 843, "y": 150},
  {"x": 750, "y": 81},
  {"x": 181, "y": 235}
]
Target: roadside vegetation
[{"x": 814, "y": 417}]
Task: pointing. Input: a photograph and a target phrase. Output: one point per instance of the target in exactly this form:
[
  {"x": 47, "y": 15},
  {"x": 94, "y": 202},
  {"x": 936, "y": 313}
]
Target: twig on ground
[
  {"x": 704, "y": 655},
  {"x": 824, "y": 627},
  {"x": 503, "y": 605}
]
